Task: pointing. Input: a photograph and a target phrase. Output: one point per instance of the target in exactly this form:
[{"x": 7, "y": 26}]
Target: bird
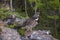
[
  {"x": 28, "y": 23},
  {"x": 31, "y": 23}
]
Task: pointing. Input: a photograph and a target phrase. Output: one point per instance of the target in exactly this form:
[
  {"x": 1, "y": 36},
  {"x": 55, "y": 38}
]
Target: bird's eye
[{"x": 37, "y": 19}]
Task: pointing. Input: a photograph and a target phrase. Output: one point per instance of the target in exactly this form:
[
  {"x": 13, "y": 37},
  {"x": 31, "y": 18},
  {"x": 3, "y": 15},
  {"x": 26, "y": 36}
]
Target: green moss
[
  {"x": 21, "y": 31},
  {"x": 0, "y": 29},
  {"x": 12, "y": 26}
]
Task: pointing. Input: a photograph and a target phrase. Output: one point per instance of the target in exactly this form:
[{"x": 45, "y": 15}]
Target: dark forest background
[{"x": 49, "y": 10}]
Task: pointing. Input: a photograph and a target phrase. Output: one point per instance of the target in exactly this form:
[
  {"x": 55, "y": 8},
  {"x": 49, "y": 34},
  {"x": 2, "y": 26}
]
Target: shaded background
[{"x": 49, "y": 10}]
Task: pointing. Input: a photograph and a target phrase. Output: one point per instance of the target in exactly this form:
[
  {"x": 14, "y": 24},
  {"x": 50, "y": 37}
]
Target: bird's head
[{"x": 36, "y": 16}]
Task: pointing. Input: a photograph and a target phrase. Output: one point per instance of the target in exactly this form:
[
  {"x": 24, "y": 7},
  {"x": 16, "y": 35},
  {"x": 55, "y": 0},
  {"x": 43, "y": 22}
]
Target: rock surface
[
  {"x": 39, "y": 35},
  {"x": 9, "y": 34}
]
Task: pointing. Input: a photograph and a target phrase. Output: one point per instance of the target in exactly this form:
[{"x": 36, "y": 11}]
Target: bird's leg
[{"x": 28, "y": 32}]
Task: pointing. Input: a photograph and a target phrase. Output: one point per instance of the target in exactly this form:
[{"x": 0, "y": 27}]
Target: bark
[
  {"x": 55, "y": 27},
  {"x": 26, "y": 8},
  {"x": 35, "y": 7},
  {"x": 11, "y": 7}
]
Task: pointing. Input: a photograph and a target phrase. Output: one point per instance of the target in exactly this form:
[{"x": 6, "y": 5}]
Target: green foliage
[
  {"x": 53, "y": 17},
  {"x": 21, "y": 31},
  {"x": 0, "y": 29},
  {"x": 31, "y": 1},
  {"x": 12, "y": 26},
  {"x": 38, "y": 3},
  {"x": 4, "y": 14}
]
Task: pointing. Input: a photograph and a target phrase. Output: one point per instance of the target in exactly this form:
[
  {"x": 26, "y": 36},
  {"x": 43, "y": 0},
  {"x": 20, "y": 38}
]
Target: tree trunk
[
  {"x": 55, "y": 27},
  {"x": 26, "y": 8},
  {"x": 11, "y": 7},
  {"x": 35, "y": 7}
]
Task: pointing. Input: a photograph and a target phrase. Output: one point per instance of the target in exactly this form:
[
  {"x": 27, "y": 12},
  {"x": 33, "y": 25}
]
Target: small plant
[
  {"x": 0, "y": 29},
  {"x": 12, "y": 26},
  {"x": 21, "y": 31}
]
